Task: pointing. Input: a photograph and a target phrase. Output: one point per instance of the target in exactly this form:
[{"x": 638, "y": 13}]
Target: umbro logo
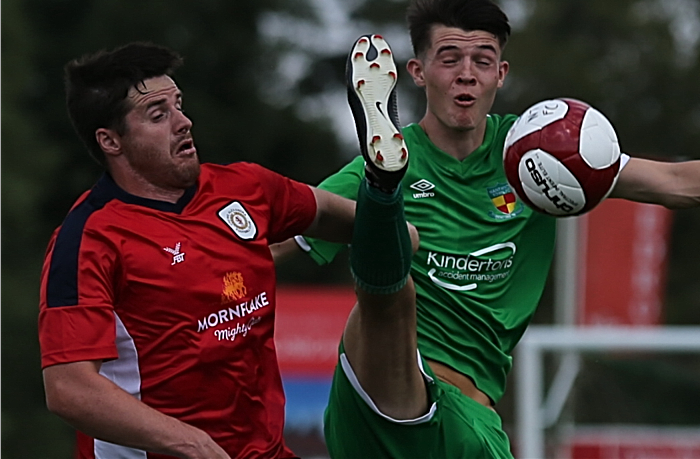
[{"x": 423, "y": 187}]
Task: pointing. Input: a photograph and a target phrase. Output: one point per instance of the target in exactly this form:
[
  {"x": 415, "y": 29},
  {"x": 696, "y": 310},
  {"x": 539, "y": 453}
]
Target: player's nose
[
  {"x": 466, "y": 75},
  {"x": 183, "y": 123}
]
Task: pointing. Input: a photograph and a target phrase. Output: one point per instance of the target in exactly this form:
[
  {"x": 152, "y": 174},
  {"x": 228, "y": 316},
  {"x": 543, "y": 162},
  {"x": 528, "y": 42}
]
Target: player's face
[
  {"x": 461, "y": 73},
  {"x": 158, "y": 142}
]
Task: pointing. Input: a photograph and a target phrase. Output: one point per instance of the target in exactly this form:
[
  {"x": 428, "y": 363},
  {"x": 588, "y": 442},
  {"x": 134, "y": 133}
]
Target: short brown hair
[
  {"x": 467, "y": 15},
  {"x": 97, "y": 86}
]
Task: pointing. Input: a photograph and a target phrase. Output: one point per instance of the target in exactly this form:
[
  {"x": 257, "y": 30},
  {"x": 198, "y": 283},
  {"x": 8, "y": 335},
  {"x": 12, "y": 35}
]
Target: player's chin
[
  {"x": 464, "y": 125},
  {"x": 187, "y": 174},
  {"x": 464, "y": 120},
  {"x": 182, "y": 160}
]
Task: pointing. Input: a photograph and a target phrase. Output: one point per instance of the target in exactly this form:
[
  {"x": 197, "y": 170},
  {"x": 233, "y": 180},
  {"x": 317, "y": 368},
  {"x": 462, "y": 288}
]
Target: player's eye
[
  {"x": 483, "y": 60},
  {"x": 158, "y": 115}
]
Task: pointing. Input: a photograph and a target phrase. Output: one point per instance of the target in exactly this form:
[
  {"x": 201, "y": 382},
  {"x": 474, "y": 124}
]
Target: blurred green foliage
[{"x": 633, "y": 59}]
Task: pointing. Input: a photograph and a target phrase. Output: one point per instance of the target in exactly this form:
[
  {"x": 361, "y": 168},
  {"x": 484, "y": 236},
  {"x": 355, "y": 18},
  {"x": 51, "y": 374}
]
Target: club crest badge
[
  {"x": 504, "y": 200},
  {"x": 238, "y": 219}
]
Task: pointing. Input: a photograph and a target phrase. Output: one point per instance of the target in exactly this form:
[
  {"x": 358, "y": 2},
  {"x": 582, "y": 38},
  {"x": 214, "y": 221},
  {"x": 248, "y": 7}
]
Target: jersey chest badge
[
  {"x": 504, "y": 200},
  {"x": 238, "y": 219}
]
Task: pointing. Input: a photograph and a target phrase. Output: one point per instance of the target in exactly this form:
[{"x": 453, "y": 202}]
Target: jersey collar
[
  {"x": 106, "y": 189},
  {"x": 449, "y": 162}
]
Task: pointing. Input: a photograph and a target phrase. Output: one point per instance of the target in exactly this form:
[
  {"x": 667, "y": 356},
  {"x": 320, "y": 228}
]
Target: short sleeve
[
  {"x": 76, "y": 312},
  {"x": 292, "y": 204},
  {"x": 345, "y": 183}
]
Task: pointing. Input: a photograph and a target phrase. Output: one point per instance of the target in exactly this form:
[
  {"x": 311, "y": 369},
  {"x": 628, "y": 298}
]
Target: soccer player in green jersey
[{"x": 483, "y": 259}]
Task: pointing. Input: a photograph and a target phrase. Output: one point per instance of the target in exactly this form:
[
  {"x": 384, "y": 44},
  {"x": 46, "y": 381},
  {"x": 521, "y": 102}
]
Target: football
[{"x": 562, "y": 157}]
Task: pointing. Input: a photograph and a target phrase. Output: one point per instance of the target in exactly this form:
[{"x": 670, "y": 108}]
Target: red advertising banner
[
  {"x": 623, "y": 254},
  {"x": 309, "y": 323},
  {"x": 634, "y": 443}
]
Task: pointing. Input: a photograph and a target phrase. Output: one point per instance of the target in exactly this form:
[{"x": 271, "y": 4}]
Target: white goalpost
[{"x": 535, "y": 411}]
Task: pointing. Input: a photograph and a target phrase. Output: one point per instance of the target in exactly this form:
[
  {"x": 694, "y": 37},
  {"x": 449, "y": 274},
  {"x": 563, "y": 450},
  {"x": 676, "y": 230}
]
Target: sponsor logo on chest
[
  {"x": 466, "y": 272},
  {"x": 236, "y": 316}
]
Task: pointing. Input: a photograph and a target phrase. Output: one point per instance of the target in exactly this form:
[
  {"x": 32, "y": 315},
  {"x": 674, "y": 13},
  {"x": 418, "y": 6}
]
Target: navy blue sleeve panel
[{"x": 62, "y": 282}]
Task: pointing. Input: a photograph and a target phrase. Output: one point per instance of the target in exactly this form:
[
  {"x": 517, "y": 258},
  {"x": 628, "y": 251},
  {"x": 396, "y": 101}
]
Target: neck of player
[{"x": 456, "y": 142}]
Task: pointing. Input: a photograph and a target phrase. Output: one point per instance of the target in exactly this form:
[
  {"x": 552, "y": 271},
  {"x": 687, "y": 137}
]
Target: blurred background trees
[{"x": 264, "y": 82}]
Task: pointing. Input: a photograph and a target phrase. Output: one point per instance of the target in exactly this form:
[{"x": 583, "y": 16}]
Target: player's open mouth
[
  {"x": 186, "y": 148},
  {"x": 465, "y": 99}
]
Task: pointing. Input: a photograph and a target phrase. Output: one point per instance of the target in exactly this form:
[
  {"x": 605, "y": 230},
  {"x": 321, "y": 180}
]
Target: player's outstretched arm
[
  {"x": 335, "y": 216},
  {"x": 94, "y": 405},
  {"x": 673, "y": 185},
  {"x": 283, "y": 251}
]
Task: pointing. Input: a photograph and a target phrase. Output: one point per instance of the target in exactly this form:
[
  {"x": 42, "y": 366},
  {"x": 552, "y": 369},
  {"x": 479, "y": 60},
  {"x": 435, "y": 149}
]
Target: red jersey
[{"x": 178, "y": 300}]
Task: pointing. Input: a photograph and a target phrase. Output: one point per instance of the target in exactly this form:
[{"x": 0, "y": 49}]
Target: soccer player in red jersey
[{"x": 158, "y": 290}]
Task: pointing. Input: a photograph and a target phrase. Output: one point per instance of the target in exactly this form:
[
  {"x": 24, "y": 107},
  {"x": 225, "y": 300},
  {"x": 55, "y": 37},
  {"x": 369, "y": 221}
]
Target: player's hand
[{"x": 203, "y": 447}]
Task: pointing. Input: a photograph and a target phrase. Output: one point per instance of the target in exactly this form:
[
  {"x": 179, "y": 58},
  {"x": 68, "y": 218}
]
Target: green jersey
[{"x": 483, "y": 259}]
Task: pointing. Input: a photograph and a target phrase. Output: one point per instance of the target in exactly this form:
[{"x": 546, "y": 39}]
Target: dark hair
[
  {"x": 97, "y": 86},
  {"x": 467, "y": 15}
]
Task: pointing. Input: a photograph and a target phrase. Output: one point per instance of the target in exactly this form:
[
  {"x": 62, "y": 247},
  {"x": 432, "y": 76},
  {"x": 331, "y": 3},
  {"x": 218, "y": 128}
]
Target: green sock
[{"x": 380, "y": 255}]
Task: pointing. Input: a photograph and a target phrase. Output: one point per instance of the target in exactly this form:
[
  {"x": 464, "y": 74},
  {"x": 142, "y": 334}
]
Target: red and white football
[{"x": 562, "y": 157}]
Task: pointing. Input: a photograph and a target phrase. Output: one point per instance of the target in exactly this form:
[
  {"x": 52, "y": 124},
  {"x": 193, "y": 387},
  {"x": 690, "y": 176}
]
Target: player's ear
[
  {"x": 109, "y": 141},
  {"x": 415, "y": 69},
  {"x": 503, "y": 68}
]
